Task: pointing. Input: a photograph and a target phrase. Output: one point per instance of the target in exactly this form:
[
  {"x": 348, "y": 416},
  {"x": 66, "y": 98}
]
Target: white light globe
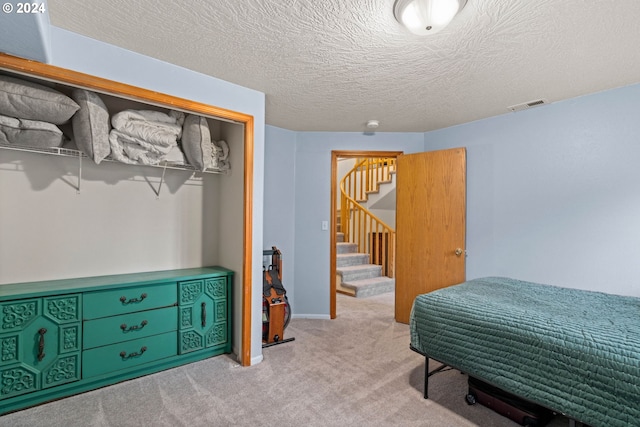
[{"x": 424, "y": 17}]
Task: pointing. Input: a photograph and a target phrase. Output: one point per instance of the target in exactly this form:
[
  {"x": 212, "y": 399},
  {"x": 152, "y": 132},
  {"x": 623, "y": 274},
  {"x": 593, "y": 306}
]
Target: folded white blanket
[
  {"x": 144, "y": 136},
  {"x": 154, "y": 127},
  {"x": 132, "y": 150}
]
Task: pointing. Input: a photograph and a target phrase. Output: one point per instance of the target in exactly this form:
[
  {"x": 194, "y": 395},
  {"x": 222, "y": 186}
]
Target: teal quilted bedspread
[{"x": 573, "y": 351}]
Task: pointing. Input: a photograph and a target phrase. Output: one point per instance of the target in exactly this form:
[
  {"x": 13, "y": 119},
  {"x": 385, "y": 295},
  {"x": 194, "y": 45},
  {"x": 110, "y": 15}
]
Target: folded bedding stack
[
  {"x": 29, "y": 113},
  {"x": 200, "y": 149},
  {"x": 146, "y": 137}
]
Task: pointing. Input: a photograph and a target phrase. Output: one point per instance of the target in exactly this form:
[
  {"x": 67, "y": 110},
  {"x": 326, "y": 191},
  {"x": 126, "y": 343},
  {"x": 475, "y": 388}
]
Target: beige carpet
[{"x": 356, "y": 370}]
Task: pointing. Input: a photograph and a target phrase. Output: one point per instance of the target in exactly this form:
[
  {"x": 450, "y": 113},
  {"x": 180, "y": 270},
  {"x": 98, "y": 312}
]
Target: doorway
[
  {"x": 434, "y": 184},
  {"x": 335, "y": 156}
]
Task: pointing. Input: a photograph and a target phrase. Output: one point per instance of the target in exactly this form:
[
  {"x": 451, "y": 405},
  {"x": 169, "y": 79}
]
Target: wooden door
[{"x": 430, "y": 224}]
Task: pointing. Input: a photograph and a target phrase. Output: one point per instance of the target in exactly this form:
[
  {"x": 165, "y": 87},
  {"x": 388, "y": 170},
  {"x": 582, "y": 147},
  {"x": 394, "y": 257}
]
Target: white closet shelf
[{"x": 68, "y": 152}]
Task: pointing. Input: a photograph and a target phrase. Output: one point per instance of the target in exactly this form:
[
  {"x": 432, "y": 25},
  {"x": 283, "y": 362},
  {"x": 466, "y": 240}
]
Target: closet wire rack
[{"x": 70, "y": 152}]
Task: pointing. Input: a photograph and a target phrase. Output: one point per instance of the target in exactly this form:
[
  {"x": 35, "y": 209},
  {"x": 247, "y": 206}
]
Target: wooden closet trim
[{"x": 62, "y": 75}]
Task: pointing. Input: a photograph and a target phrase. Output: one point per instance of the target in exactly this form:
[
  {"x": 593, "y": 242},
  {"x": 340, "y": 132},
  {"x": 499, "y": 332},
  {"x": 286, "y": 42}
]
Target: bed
[{"x": 575, "y": 352}]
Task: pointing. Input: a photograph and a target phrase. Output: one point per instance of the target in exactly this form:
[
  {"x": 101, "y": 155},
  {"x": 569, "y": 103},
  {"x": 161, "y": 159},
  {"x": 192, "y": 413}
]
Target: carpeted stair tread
[
  {"x": 372, "y": 286},
  {"x": 351, "y": 259},
  {"x": 346, "y": 247},
  {"x": 358, "y": 272}
]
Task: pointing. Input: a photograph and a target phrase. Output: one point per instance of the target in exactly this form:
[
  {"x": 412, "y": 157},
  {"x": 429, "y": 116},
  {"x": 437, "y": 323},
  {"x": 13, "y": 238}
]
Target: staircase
[
  {"x": 364, "y": 274},
  {"x": 355, "y": 275}
]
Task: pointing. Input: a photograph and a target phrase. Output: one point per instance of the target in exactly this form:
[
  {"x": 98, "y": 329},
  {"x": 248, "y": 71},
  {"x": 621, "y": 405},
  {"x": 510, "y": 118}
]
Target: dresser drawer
[
  {"x": 115, "y": 357},
  {"x": 128, "y": 300},
  {"x": 125, "y": 327}
]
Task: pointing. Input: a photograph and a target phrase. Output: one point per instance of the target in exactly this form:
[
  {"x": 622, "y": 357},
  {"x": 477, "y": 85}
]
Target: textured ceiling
[{"x": 331, "y": 65}]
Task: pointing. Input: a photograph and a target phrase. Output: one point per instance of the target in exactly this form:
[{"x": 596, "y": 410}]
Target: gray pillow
[
  {"x": 29, "y": 133},
  {"x": 27, "y": 100},
  {"x": 196, "y": 141},
  {"x": 91, "y": 125}
]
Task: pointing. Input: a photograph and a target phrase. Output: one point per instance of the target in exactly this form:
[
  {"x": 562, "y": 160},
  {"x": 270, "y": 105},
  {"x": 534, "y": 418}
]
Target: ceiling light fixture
[{"x": 423, "y": 17}]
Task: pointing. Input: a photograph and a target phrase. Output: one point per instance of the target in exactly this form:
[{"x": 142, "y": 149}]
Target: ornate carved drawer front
[
  {"x": 40, "y": 343},
  {"x": 128, "y": 300},
  {"x": 203, "y": 314},
  {"x": 119, "y": 356},
  {"x": 125, "y": 327}
]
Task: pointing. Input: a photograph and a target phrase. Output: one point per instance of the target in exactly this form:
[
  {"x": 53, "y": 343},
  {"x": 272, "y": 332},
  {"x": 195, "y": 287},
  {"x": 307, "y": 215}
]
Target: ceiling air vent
[{"x": 526, "y": 105}]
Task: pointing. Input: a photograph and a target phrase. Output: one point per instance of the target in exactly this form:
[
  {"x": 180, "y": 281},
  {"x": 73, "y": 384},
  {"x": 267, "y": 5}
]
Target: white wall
[
  {"x": 552, "y": 192},
  {"x": 116, "y": 224},
  {"x": 116, "y": 218},
  {"x": 279, "y": 201},
  {"x": 388, "y": 216}
]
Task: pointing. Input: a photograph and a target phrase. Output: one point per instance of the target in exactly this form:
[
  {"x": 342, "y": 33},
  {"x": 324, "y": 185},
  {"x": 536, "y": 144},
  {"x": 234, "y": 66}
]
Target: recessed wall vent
[{"x": 527, "y": 105}]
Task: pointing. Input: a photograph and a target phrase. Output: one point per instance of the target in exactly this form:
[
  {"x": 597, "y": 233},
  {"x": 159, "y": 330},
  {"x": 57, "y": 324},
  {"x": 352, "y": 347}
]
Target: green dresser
[{"x": 64, "y": 337}]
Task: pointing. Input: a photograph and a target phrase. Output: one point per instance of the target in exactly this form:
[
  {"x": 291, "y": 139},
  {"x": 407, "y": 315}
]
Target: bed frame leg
[
  {"x": 427, "y": 374},
  {"x": 426, "y": 377}
]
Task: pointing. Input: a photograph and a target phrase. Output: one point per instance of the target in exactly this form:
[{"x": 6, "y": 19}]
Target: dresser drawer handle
[
  {"x": 126, "y": 328},
  {"x": 41, "y": 354},
  {"x": 124, "y": 300},
  {"x": 125, "y": 356},
  {"x": 203, "y": 314}
]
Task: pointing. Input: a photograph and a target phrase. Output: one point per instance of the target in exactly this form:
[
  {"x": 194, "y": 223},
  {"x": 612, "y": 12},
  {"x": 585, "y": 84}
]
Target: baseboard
[
  {"x": 311, "y": 316},
  {"x": 257, "y": 359}
]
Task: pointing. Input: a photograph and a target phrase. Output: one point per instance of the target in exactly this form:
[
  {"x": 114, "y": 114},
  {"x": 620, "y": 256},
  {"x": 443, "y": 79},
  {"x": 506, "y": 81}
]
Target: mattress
[{"x": 573, "y": 351}]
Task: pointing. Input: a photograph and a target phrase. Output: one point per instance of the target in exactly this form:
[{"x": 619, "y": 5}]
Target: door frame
[{"x": 335, "y": 155}]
